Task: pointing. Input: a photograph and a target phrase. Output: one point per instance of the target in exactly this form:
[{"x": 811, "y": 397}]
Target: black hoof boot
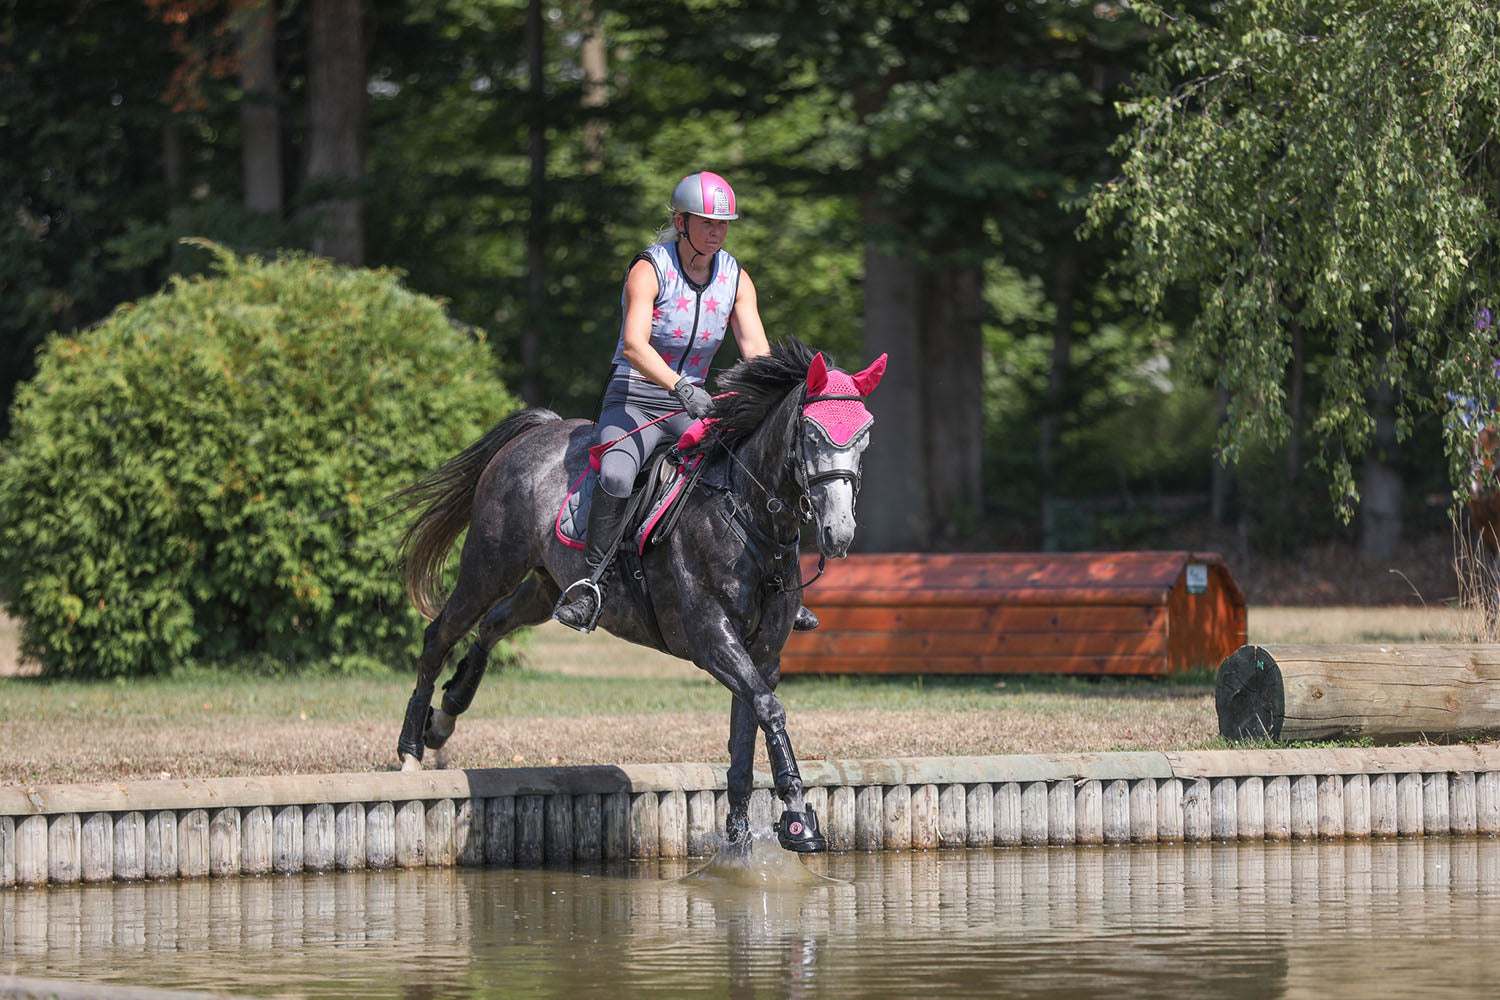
[
  {"x": 798, "y": 831},
  {"x": 806, "y": 621}
]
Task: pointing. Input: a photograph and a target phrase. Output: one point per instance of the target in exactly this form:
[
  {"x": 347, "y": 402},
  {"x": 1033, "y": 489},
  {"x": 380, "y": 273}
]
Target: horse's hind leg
[
  {"x": 530, "y": 604},
  {"x": 442, "y": 634},
  {"x": 742, "y": 730},
  {"x": 481, "y": 582}
]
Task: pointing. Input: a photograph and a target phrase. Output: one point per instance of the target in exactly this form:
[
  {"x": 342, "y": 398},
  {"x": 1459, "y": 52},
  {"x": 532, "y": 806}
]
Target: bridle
[
  {"x": 806, "y": 482},
  {"x": 800, "y": 462}
]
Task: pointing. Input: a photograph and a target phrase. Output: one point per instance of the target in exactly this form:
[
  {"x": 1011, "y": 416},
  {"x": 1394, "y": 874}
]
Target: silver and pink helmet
[{"x": 706, "y": 194}]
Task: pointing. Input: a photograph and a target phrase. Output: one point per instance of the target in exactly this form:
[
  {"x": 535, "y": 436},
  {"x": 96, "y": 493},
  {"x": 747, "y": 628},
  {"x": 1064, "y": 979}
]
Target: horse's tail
[{"x": 446, "y": 498}]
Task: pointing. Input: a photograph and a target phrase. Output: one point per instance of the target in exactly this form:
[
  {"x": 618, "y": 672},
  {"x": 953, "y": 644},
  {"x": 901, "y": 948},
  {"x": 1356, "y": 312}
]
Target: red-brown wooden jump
[{"x": 1145, "y": 613}]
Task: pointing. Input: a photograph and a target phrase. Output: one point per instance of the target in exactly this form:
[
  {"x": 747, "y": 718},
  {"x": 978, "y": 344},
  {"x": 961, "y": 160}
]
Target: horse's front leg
[{"x": 724, "y": 658}]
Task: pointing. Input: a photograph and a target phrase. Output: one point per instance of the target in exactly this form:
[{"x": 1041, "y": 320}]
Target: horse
[
  {"x": 1483, "y": 563},
  {"x": 784, "y": 448}
]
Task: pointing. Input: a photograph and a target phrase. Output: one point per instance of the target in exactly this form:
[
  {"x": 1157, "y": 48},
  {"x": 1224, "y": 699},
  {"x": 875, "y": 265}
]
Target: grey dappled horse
[{"x": 722, "y": 589}]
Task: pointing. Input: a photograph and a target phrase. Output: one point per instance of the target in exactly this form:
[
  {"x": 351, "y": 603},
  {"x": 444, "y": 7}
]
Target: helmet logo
[{"x": 721, "y": 201}]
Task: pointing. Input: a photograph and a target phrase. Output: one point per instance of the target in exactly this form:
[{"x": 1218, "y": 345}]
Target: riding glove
[{"x": 693, "y": 397}]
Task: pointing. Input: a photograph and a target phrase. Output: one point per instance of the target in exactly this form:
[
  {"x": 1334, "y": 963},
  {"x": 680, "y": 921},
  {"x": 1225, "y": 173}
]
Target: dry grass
[
  {"x": 1412, "y": 624},
  {"x": 595, "y": 699}
]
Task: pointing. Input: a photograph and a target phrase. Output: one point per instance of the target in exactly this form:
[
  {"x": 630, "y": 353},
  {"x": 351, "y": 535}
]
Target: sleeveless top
[{"x": 688, "y": 321}]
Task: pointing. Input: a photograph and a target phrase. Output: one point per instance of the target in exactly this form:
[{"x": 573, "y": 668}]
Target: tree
[
  {"x": 260, "y": 115},
  {"x": 199, "y": 475},
  {"x": 336, "y": 126},
  {"x": 1320, "y": 169}
]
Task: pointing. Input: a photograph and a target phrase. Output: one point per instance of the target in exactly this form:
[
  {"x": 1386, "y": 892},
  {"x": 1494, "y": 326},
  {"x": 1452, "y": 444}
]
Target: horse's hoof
[
  {"x": 737, "y": 829},
  {"x": 798, "y": 831},
  {"x": 439, "y": 727},
  {"x": 410, "y": 763}
]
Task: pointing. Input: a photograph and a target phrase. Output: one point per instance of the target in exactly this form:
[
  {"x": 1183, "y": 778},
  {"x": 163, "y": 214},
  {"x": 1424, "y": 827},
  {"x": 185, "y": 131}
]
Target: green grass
[{"x": 523, "y": 692}]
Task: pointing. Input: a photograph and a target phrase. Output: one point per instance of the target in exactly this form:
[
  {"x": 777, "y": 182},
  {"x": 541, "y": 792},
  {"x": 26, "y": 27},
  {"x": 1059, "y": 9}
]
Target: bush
[{"x": 193, "y": 478}]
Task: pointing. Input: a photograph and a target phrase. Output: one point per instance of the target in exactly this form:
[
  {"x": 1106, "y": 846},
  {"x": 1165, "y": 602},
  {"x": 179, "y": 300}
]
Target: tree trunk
[
  {"x": 592, "y": 56},
  {"x": 1064, "y": 289},
  {"x": 336, "y": 127},
  {"x": 1297, "y": 378},
  {"x": 171, "y": 162},
  {"x": 536, "y": 225},
  {"x": 952, "y": 367},
  {"x": 1221, "y": 484},
  {"x": 895, "y": 515},
  {"x": 1381, "y": 488},
  {"x": 260, "y": 116}
]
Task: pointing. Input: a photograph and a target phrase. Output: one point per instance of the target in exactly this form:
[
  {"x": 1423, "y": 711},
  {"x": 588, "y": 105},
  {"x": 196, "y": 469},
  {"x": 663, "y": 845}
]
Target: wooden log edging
[{"x": 521, "y": 817}]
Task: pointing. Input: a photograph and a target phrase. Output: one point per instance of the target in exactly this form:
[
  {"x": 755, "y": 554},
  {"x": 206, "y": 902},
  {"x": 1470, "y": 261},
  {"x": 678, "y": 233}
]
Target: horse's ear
[
  {"x": 867, "y": 380},
  {"x": 817, "y": 375}
]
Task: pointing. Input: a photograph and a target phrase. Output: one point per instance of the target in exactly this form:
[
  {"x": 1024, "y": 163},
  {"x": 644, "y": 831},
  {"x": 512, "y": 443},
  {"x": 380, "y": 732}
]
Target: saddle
[{"x": 655, "y": 501}]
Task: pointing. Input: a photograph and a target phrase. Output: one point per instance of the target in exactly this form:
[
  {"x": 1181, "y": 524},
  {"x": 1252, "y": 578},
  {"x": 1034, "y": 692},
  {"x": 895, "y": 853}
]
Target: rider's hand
[{"x": 694, "y": 398}]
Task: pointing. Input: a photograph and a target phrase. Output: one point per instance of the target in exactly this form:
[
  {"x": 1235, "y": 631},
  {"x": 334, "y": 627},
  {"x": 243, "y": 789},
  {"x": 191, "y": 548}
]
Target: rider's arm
[
  {"x": 640, "y": 298},
  {"x": 749, "y": 334}
]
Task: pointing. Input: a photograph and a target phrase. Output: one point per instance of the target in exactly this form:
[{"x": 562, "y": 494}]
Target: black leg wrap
[
  {"x": 415, "y": 724},
  {"x": 739, "y": 779},
  {"x": 798, "y": 831},
  {"x": 458, "y": 693},
  {"x": 783, "y": 764}
]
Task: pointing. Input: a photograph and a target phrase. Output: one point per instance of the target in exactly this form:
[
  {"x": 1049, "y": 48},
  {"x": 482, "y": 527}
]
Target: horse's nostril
[{"x": 828, "y": 539}]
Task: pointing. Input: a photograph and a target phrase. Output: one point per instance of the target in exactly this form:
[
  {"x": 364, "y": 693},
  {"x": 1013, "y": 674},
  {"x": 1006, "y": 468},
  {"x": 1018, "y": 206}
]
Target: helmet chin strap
[{"x": 684, "y": 234}]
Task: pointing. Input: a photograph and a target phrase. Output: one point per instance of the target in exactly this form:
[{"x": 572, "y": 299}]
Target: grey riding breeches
[{"x": 630, "y": 404}]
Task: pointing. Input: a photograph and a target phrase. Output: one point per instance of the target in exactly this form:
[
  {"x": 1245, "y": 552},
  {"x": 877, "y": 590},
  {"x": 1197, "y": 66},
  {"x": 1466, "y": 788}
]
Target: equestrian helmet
[{"x": 706, "y": 194}]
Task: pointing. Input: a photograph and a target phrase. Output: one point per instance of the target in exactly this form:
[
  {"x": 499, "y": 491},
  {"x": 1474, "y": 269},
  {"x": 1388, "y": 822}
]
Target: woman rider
[{"x": 681, "y": 295}]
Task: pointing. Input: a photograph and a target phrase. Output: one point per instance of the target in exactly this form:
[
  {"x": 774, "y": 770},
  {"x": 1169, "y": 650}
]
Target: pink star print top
[{"x": 688, "y": 321}]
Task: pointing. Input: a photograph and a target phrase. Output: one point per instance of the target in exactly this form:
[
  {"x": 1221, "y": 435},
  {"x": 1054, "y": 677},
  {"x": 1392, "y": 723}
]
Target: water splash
[{"x": 760, "y": 863}]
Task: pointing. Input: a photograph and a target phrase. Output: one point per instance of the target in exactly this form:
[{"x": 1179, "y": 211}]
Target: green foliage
[
  {"x": 952, "y": 134},
  {"x": 1137, "y": 425},
  {"x": 1321, "y": 163},
  {"x": 195, "y": 476}
]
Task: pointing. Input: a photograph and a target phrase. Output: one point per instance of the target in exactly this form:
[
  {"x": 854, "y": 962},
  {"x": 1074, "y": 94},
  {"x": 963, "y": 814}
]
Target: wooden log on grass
[{"x": 1386, "y": 693}]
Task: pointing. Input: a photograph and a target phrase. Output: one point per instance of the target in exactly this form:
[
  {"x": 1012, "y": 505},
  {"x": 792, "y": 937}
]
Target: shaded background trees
[{"x": 912, "y": 176}]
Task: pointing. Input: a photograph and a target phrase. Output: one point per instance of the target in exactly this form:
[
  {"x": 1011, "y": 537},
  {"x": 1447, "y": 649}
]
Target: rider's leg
[
  {"x": 625, "y": 425},
  {"x": 601, "y": 539}
]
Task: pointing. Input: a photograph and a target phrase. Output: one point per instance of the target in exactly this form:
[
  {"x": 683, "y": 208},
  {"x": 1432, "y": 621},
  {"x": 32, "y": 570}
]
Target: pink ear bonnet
[{"x": 836, "y": 399}]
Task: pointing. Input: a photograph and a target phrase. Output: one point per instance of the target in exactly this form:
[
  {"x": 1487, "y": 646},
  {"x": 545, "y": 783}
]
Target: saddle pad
[{"x": 573, "y": 515}]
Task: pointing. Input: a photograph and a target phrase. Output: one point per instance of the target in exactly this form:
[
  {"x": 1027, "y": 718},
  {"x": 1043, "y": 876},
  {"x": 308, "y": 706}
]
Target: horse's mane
[{"x": 758, "y": 385}]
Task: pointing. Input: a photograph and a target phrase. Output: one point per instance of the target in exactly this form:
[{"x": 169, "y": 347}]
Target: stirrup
[{"x": 563, "y": 604}]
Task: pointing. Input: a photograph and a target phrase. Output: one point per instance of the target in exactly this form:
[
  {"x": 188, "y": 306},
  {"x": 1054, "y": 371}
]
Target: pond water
[{"x": 1383, "y": 919}]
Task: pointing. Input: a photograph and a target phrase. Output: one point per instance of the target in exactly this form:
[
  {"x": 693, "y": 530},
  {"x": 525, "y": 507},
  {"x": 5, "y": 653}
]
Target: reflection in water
[{"x": 1259, "y": 920}]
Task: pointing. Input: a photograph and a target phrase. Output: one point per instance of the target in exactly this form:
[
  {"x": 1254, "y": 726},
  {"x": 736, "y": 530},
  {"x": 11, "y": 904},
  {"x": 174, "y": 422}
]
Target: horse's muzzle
[{"x": 834, "y": 545}]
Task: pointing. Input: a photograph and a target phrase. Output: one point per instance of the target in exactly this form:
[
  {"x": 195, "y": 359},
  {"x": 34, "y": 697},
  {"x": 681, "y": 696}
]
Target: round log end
[{"x": 1249, "y": 696}]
